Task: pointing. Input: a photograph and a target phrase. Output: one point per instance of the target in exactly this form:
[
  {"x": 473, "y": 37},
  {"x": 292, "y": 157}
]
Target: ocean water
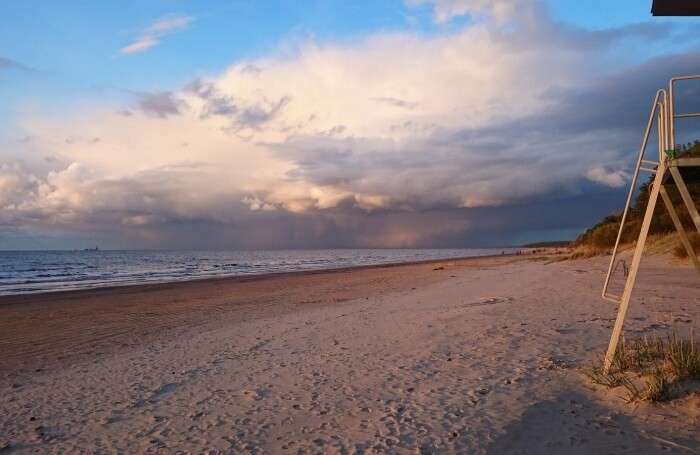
[{"x": 23, "y": 272}]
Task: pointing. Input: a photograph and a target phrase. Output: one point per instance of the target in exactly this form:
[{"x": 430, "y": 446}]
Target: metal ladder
[
  {"x": 662, "y": 110},
  {"x": 658, "y": 111}
]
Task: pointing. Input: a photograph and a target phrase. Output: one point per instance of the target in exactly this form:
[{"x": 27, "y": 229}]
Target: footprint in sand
[{"x": 488, "y": 301}]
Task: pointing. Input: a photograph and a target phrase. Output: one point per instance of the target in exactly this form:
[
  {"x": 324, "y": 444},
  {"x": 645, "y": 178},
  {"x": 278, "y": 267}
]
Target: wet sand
[{"x": 477, "y": 356}]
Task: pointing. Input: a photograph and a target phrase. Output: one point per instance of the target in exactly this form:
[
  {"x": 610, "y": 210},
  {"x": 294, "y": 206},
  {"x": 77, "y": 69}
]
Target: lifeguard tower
[{"x": 667, "y": 168}]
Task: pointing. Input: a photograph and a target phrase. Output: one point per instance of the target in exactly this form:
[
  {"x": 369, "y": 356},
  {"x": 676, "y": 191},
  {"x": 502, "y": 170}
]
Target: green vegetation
[
  {"x": 651, "y": 368},
  {"x": 550, "y": 244},
  {"x": 601, "y": 238}
]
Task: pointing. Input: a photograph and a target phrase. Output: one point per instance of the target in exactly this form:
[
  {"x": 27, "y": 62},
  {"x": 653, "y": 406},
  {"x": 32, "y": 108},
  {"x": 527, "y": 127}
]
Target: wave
[{"x": 45, "y": 271}]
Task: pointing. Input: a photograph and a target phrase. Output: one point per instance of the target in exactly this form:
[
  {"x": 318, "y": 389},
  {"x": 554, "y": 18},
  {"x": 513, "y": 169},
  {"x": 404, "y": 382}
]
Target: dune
[{"x": 478, "y": 355}]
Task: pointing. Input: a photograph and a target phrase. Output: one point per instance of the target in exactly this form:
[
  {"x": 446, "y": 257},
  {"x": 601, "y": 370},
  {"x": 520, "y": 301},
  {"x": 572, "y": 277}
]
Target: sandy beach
[{"x": 463, "y": 356}]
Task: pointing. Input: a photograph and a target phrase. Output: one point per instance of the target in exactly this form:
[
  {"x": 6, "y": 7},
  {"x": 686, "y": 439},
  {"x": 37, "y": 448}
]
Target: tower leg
[
  {"x": 634, "y": 267},
  {"x": 679, "y": 227}
]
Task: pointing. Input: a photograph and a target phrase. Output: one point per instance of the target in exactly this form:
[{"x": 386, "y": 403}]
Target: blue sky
[
  {"x": 74, "y": 45},
  {"x": 86, "y": 87}
]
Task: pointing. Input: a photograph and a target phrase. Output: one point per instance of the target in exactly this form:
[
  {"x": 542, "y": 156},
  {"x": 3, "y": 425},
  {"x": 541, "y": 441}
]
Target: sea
[{"x": 24, "y": 272}]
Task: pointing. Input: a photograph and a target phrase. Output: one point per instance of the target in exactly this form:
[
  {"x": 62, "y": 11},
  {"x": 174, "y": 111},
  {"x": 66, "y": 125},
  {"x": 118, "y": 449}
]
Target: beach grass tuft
[
  {"x": 596, "y": 375},
  {"x": 650, "y": 368},
  {"x": 658, "y": 387},
  {"x": 683, "y": 357}
]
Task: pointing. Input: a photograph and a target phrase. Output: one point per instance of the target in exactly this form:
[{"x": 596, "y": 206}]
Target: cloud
[
  {"x": 499, "y": 10},
  {"x": 613, "y": 179},
  {"x": 9, "y": 64},
  {"x": 394, "y": 140},
  {"x": 242, "y": 114},
  {"x": 154, "y": 33},
  {"x": 159, "y": 104},
  {"x": 16, "y": 186},
  {"x": 394, "y": 102}
]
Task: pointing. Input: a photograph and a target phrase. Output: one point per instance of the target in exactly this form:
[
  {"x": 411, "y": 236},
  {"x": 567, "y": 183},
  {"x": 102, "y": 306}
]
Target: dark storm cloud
[
  {"x": 348, "y": 226},
  {"x": 622, "y": 100}
]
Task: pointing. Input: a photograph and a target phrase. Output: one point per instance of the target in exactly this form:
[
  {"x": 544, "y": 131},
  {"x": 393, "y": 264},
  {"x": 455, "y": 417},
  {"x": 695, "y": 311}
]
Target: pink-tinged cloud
[{"x": 155, "y": 32}]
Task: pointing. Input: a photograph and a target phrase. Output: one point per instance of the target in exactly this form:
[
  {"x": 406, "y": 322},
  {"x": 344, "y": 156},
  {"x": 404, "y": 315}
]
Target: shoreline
[{"x": 234, "y": 278}]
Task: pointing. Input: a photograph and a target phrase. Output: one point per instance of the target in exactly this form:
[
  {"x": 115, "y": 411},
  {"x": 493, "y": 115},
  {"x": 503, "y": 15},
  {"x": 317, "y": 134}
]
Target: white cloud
[
  {"x": 153, "y": 34},
  {"x": 498, "y": 10},
  {"x": 606, "y": 177},
  {"x": 17, "y": 185},
  {"x": 262, "y": 131}
]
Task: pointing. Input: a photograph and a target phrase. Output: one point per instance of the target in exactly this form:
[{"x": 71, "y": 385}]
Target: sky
[{"x": 324, "y": 124}]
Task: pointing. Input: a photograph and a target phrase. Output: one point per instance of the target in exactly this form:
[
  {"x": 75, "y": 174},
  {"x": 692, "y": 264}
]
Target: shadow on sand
[{"x": 573, "y": 424}]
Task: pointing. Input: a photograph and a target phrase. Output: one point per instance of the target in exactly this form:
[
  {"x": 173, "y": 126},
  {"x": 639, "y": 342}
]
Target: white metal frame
[{"x": 662, "y": 111}]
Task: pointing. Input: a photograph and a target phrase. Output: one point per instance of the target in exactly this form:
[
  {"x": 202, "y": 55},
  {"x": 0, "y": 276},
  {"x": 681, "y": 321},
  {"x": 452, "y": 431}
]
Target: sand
[{"x": 469, "y": 356}]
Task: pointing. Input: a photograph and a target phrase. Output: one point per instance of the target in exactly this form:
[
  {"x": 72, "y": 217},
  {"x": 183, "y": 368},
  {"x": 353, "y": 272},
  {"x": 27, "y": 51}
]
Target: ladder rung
[
  {"x": 689, "y": 114},
  {"x": 645, "y": 169},
  {"x": 653, "y": 163},
  {"x": 613, "y": 298}
]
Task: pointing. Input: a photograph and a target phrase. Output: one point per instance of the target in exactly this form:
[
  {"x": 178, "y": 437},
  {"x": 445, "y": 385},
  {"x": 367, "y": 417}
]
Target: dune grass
[
  {"x": 651, "y": 368},
  {"x": 679, "y": 250}
]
